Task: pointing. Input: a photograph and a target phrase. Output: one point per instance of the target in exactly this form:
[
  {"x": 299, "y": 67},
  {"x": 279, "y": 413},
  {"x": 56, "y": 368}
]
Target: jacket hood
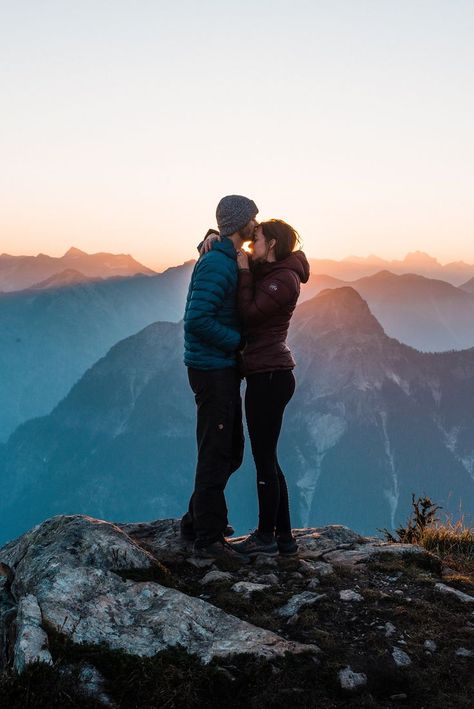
[{"x": 296, "y": 261}]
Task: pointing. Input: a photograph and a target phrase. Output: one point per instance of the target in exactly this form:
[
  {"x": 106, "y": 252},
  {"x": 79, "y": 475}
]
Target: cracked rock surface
[
  {"x": 378, "y": 620},
  {"x": 64, "y": 576}
]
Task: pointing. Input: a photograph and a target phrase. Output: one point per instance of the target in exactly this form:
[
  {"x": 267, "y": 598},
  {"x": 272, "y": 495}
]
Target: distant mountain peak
[
  {"x": 420, "y": 258},
  {"x": 68, "y": 277},
  {"x": 383, "y": 275},
  {"x": 346, "y": 299},
  {"x": 73, "y": 251},
  {"x": 340, "y": 307},
  {"x": 344, "y": 294}
]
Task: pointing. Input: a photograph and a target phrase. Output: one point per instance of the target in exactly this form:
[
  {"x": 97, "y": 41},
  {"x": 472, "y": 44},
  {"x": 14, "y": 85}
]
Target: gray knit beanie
[{"x": 234, "y": 212}]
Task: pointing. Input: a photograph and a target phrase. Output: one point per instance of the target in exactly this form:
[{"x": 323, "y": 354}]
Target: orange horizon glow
[
  {"x": 160, "y": 266},
  {"x": 357, "y": 131}
]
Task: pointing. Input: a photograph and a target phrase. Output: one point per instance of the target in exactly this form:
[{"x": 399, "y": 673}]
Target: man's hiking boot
[
  {"x": 220, "y": 550},
  {"x": 188, "y": 535},
  {"x": 287, "y": 545},
  {"x": 256, "y": 544}
]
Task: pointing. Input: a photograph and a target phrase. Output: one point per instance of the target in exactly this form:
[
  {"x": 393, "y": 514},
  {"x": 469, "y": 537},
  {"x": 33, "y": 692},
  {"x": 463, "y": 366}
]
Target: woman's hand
[
  {"x": 242, "y": 259},
  {"x": 207, "y": 243}
]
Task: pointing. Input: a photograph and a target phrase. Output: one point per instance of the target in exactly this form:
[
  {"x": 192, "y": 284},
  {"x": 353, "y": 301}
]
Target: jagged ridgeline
[
  {"x": 53, "y": 332},
  {"x": 372, "y": 421}
]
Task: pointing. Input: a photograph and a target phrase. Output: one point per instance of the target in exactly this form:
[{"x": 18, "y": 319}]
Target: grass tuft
[{"x": 450, "y": 540}]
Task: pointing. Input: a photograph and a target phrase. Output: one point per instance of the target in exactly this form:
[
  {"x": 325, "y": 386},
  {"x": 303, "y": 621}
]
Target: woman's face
[{"x": 258, "y": 246}]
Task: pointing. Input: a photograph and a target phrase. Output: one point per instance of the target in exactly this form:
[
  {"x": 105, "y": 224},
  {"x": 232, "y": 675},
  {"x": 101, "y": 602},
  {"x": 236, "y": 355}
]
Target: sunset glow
[{"x": 125, "y": 123}]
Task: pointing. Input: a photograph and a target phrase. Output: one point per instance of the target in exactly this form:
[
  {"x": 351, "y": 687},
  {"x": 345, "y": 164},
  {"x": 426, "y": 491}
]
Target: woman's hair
[{"x": 285, "y": 236}]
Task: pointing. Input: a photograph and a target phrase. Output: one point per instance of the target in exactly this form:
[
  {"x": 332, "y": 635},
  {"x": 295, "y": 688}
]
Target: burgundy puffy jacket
[{"x": 267, "y": 297}]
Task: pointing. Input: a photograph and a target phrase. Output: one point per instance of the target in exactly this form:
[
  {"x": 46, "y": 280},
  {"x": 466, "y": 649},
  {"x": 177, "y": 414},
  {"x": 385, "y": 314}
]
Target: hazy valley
[{"x": 372, "y": 421}]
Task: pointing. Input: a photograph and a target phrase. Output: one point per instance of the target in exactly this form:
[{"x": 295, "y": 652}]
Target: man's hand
[
  {"x": 242, "y": 259},
  {"x": 209, "y": 239}
]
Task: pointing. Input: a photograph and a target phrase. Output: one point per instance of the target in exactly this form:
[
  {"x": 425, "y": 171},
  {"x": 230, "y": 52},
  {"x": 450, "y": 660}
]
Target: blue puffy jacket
[{"x": 211, "y": 323}]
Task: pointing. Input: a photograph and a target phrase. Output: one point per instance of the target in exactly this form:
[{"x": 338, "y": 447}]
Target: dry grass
[{"x": 453, "y": 542}]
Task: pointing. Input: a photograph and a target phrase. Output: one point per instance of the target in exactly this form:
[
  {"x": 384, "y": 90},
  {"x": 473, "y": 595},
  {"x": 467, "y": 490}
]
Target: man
[{"x": 212, "y": 337}]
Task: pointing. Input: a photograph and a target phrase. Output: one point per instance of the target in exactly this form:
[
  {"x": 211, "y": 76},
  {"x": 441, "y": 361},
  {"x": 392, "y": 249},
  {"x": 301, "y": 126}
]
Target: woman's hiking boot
[{"x": 257, "y": 543}]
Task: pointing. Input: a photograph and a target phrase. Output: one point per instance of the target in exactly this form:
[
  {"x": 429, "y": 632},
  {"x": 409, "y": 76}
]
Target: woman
[{"x": 268, "y": 290}]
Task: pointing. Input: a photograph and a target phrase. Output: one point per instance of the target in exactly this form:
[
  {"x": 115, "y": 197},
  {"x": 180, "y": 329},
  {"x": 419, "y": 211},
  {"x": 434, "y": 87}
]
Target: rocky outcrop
[
  {"x": 65, "y": 577},
  {"x": 356, "y": 608}
]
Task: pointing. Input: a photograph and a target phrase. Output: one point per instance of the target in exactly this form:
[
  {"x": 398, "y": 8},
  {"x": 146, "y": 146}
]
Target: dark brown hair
[{"x": 285, "y": 236}]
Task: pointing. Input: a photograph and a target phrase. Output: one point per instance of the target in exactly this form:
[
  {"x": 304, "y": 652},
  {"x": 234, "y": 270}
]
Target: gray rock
[
  {"x": 271, "y": 579},
  {"x": 368, "y": 551},
  {"x": 305, "y": 567},
  {"x": 322, "y": 568},
  {"x": 161, "y": 536},
  {"x": 448, "y": 590},
  {"x": 215, "y": 576},
  {"x": 314, "y": 542},
  {"x": 246, "y": 588},
  {"x": 31, "y": 643},
  {"x": 313, "y": 584},
  {"x": 350, "y": 595},
  {"x": 464, "y": 652},
  {"x": 400, "y": 657},
  {"x": 430, "y": 645},
  {"x": 69, "y": 565},
  {"x": 298, "y": 601},
  {"x": 317, "y": 568},
  {"x": 351, "y": 680},
  {"x": 296, "y": 576},
  {"x": 390, "y": 629}
]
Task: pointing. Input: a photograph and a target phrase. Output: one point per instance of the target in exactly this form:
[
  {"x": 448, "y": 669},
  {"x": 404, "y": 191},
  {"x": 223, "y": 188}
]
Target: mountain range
[
  {"x": 372, "y": 421},
  {"x": 19, "y": 272},
  {"x": 50, "y": 336},
  {"x": 53, "y": 330},
  {"x": 428, "y": 314},
  {"x": 353, "y": 267}
]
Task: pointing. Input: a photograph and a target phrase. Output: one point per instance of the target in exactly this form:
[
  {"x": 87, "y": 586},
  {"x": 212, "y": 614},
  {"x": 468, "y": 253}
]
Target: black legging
[{"x": 266, "y": 396}]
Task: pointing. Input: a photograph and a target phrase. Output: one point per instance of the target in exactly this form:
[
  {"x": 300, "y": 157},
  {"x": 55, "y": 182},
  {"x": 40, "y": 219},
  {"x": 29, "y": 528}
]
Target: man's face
[{"x": 246, "y": 233}]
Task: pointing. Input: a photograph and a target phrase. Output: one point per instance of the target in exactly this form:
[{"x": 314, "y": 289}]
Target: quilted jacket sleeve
[
  {"x": 209, "y": 287},
  {"x": 258, "y": 300}
]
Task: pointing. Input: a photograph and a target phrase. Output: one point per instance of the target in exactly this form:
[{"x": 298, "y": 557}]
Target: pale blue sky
[{"x": 123, "y": 123}]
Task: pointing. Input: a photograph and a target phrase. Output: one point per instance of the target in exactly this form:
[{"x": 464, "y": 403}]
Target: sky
[{"x": 123, "y": 123}]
